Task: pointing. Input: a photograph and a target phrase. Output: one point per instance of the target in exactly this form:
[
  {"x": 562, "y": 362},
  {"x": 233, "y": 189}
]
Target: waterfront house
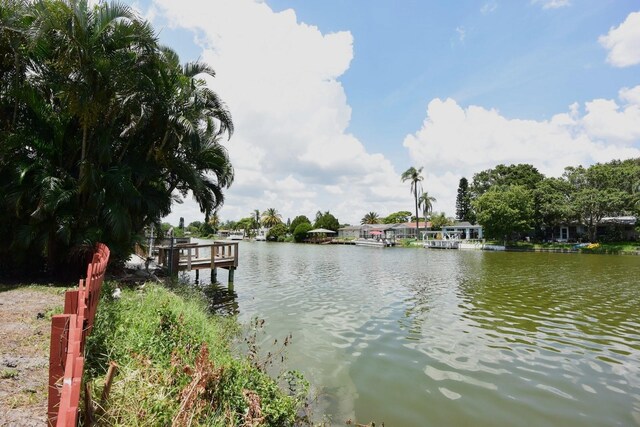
[
  {"x": 612, "y": 228},
  {"x": 407, "y": 230},
  {"x": 349, "y": 232}
]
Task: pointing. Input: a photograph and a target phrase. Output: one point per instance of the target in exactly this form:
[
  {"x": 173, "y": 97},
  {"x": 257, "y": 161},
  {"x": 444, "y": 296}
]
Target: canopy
[{"x": 321, "y": 230}]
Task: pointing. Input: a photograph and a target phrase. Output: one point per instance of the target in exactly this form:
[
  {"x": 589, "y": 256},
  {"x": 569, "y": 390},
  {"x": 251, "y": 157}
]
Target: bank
[{"x": 176, "y": 365}]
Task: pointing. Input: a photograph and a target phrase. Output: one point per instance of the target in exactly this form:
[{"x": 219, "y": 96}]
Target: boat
[
  {"x": 376, "y": 243},
  {"x": 261, "y": 238},
  {"x": 236, "y": 235}
]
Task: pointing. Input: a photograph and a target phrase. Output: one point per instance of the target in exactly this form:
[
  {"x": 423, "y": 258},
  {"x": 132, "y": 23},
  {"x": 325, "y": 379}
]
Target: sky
[{"x": 332, "y": 100}]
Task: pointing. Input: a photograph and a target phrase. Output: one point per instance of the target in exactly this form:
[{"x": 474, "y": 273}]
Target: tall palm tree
[
  {"x": 256, "y": 220},
  {"x": 413, "y": 175},
  {"x": 214, "y": 222},
  {"x": 271, "y": 217},
  {"x": 425, "y": 201},
  {"x": 370, "y": 218}
]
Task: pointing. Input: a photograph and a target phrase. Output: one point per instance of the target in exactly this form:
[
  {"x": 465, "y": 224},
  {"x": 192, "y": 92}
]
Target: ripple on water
[{"x": 417, "y": 337}]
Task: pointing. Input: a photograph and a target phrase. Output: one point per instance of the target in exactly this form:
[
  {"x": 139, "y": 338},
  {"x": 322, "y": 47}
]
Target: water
[{"x": 414, "y": 337}]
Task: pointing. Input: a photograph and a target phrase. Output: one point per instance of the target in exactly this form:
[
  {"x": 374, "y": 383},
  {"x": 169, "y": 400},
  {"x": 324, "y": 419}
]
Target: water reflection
[{"x": 222, "y": 299}]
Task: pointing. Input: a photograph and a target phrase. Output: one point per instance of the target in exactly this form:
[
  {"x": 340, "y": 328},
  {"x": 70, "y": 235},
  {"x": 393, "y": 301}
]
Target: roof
[
  {"x": 350, "y": 227},
  {"x": 421, "y": 224},
  {"x": 627, "y": 220}
]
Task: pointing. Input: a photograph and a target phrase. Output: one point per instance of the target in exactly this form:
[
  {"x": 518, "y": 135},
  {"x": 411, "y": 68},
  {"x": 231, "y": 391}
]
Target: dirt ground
[{"x": 25, "y": 323}]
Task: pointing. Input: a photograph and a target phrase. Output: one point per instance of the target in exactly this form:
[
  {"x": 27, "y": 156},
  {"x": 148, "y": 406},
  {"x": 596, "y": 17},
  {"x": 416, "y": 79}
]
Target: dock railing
[{"x": 194, "y": 256}]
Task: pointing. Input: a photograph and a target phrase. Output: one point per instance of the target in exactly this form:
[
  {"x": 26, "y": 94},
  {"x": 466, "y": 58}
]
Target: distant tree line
[
  {"x": 101, "y": 129},
  {"x": 517, "y": 200}
]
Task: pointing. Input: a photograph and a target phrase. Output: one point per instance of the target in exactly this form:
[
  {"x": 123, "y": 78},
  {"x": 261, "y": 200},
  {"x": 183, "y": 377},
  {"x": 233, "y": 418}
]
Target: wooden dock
[{"x": 193, "y": 256}]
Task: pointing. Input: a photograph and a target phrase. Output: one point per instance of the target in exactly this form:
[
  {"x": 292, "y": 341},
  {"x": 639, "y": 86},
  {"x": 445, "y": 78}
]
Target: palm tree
[
  {"x": 256, "y": 221},
  {"x": 413, "y": 175},
  {"x": 426, "y": 203},
  {"x": 101, "y": 128},
  {"x": 271, "y": 217},
  {"x": 370, "y": 218},
  {"x": 214, "y": 222}
]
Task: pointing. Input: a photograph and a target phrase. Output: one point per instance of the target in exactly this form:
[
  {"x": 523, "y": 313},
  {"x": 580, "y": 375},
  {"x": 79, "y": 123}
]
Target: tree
[
  {"x": 505, "y": 211},
  {"x": 426, "y": 203},
  {"x": 464, "y": 211},
  {"x": 256, "y": 221},
  {"x": 413, "y": 176},
  {"x": 397, "y": 217},
  {"x": 591, "y": 205},
  {"x": 101, "y": 128},
  {"x": 521, "y": 174},
  {"x": 277, "y": 232},
  {"x": 327, "y": 220},
  {"x": 300, "y": 219},
  {"x": 300, "y": 233},
  {"x": 440, "y": 220},
  {"x": 271, "y": 217},
  {"x": 552, "y": 208},
  {"x": 370, "y": 218},
  {"x": 181, "y": 223}
]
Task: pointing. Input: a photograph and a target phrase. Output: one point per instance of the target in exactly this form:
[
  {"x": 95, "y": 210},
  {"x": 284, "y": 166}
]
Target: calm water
[{"x": 415, "y": 337}]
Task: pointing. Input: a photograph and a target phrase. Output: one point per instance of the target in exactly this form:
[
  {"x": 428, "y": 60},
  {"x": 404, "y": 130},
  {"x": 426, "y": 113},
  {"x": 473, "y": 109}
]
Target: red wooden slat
[{"x": 68, "y": 335}]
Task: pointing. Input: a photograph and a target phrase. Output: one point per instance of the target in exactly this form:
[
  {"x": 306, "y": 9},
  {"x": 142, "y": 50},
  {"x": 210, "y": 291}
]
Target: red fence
[{"x": 68, "y": 334}]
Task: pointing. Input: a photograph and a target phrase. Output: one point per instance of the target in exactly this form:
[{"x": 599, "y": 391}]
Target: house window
[{"x": 564, "y": 233}]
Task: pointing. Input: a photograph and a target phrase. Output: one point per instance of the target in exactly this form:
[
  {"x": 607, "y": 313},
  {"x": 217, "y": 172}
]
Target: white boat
[
  {"x": 376, "y": 243},
  {"x": 236, "y": 235},
  {"x": 261, "y": 238}
]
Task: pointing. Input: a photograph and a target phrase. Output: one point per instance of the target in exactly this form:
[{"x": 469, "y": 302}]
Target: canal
[{"x": 415, "y": 337}]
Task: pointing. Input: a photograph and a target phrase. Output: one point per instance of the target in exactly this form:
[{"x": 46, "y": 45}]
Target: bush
[
  {"x": 175, "y": 363},
  {"x": 300, "y": 233},
  {"x": 277, "y": 232}
]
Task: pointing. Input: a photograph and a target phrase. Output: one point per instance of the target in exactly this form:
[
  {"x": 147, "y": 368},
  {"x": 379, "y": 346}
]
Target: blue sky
[{"x": 334, "y": 99}]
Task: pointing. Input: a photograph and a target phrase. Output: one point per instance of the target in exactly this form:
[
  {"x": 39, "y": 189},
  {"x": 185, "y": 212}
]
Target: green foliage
[
  {"x": 161, "y": 342},
  {"x": 505, "y": 211},
  {"x": 300, "y": 219},
  {"x": 440, "y": 220},
  {"x": 522, "y": 174},
  {"x": 327, "y": 220},
  {"x": 413, "y": 176},
  {"x": 277, "y": 232},
  {"x": 464, "y": 210},
  {"x": 370, "y": 218},
  {"x": 101, "y": 128},
  {"x": 397, "y": 218},
  {"x": 271, "y": 217},
  {"x": 300, "y": 233}
]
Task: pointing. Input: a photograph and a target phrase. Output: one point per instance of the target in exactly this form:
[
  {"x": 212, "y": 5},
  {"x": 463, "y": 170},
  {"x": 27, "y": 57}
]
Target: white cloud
[
  {"x": 461, "y": 33},
  {"x": 291, "y": 150},
  {"x": 552, "y": 4},
  {"x": 623, "y": 42},
  {"x": 488, "y": 7},
  {"x": 456, "y": 141}
]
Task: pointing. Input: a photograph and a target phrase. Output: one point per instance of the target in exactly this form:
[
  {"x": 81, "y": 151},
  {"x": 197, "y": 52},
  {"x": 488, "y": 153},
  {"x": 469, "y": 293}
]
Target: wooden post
[
  {"x": 175, "y": 261},
  {"x": 57, "y": 356},
  {"x": 214, "y": 275},
  {"x": 231, "y": 271}
]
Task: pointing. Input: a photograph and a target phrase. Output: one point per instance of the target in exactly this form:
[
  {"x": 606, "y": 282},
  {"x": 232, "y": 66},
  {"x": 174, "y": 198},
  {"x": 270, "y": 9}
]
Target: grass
[
  {"x": 8, "y": 373},
  {"x": 176, "y": 366},
  {"x": 601, "y": 248}
]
